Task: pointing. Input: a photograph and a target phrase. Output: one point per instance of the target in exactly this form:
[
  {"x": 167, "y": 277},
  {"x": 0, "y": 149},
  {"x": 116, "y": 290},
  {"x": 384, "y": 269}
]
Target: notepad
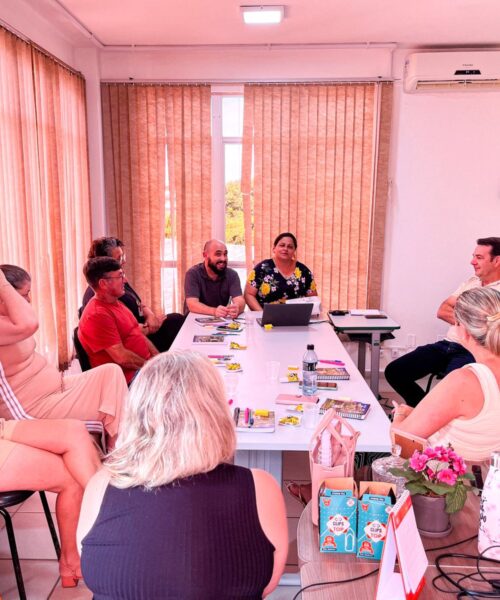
[
  {"x": 261, "y": 422},
  {"x": 349, "y": 409}
]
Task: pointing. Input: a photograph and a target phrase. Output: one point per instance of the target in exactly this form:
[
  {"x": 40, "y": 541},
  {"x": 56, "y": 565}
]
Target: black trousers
[
  {"x": 165, "y": 336},
  {"x": 441, "y": 357}
]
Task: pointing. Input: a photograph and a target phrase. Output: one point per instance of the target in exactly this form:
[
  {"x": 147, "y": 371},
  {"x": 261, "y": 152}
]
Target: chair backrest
[{"x": 83, "y": 357}]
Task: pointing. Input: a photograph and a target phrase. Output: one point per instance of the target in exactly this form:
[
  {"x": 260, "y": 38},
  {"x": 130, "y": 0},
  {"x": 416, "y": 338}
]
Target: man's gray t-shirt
[{"x": 197, "y": 284}]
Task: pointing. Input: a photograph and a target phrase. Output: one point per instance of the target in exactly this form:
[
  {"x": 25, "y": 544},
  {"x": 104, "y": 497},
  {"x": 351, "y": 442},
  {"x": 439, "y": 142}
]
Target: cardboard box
[
  {"x": 337, "y": 516},
  {"x": 373, "y": 513}
]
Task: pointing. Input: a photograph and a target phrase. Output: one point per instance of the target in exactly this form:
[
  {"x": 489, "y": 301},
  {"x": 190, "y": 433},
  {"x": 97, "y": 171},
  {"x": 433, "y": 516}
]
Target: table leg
[
  {"x": 375, "y": 363},
  {"x": 361, "y": 358},
  {"x": 268, "y": 460}
]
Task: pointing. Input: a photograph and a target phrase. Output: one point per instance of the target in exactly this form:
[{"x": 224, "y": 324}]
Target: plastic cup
[
  {"x": 231, "y": 381},
  {"x": 310, "y": 416},
  {"x": 272, "y": 370}
]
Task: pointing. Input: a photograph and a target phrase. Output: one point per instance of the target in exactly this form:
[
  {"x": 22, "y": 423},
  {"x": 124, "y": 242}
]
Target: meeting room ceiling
[{"x": 408, "y": 23}]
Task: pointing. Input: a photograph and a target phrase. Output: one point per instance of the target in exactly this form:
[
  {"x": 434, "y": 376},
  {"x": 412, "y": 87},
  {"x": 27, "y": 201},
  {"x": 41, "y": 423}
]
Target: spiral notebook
[
  {"x": 349, "y": 409},
  {"x": 331, "y": 373}
]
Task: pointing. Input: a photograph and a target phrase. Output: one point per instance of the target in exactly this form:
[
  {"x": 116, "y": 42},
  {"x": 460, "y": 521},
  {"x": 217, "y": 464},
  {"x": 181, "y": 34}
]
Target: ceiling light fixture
[{"x": 262, "y": 15}]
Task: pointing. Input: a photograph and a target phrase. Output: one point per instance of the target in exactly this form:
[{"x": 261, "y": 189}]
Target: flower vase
[{"x": 431, "y": 516}]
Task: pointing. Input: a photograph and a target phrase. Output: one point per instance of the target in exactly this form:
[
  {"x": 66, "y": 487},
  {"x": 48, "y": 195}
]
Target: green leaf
[
  {"x": 416, "y": 488},
  {"x": 439, "y": 488},
  {"x": 467, "y": 476},
  {"x": 456, "y": 500},
  {"x": 399, "y": 472}
]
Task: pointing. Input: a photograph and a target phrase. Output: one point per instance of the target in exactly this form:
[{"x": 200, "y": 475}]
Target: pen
[
  {"x": 339, "y": 363},
  {"x": 247, "y": 415},
  {"x": 236, "y": 415},
  {"x": 230, "y": 301},
  {"x": 251, "y": 418}
]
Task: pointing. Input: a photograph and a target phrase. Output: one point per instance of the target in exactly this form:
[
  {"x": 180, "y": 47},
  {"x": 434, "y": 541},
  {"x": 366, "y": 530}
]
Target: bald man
[{"x": 211, "y": 288}]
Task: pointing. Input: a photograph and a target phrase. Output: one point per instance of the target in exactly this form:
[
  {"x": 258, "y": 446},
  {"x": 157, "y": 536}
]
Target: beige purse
[{"x": 343, "y": 438}]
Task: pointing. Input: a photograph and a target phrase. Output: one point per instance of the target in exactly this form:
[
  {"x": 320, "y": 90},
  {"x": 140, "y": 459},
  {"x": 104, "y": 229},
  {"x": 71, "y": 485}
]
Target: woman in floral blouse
[{"x": 279, "y": 278}]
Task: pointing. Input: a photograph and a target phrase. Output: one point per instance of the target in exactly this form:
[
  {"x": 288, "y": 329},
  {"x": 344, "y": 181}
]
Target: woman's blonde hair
[
  {"x": 479, "y": 312},
  {"x": 177, "y": 423}
]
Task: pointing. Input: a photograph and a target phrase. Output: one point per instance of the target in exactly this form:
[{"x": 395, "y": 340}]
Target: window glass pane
[
  {"x": 169, "y": 285},
  {"x": 232, "y": 116},
  {"x": 235, "y": 230}
]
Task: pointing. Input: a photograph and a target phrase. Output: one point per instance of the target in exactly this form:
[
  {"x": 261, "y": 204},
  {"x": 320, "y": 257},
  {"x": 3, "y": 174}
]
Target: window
[{"x": 227, "y": 137}]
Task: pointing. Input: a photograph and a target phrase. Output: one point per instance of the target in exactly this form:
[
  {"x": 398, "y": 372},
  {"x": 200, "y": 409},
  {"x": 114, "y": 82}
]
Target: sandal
[{"x": 301, "y": 492}]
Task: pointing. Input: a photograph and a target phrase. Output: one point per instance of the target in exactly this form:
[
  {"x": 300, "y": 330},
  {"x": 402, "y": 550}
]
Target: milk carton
[
  {"x": 374, "y": 505},
  {"x": 337, "y": 516}
]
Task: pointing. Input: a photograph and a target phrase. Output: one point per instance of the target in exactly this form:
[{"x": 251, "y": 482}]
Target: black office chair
[
  {"x": 83, "y": 357},
  {"x": 11, "y": 499},
  {"x": 438, "y": 375}
]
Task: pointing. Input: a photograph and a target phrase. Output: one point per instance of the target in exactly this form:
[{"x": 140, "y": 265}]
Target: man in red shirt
[{"x": 108, "y": 331}]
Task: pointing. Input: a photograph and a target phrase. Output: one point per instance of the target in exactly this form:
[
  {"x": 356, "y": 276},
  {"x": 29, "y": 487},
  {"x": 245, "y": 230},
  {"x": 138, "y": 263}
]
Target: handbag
[{"x": 343, "y": 438}]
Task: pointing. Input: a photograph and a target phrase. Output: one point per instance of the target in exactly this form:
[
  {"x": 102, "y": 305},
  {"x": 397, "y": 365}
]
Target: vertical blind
[
  {"x": 315, "y": 163},
  {"x": 44, "y": 185}
]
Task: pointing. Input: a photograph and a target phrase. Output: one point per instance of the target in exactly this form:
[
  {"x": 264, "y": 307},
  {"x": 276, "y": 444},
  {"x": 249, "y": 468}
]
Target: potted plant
[{"x": 437, "y": 480}]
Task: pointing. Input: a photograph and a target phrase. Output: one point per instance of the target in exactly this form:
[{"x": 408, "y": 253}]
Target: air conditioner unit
[{"x": 452, "y": 71}]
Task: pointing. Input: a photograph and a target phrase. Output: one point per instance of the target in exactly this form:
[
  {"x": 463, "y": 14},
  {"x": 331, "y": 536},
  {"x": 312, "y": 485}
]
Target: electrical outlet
[{"x": 394, "y": 352}]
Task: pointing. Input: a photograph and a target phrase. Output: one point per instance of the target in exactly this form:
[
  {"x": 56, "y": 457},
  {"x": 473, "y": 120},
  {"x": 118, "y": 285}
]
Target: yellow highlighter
[{"x": 261, "y": 412}]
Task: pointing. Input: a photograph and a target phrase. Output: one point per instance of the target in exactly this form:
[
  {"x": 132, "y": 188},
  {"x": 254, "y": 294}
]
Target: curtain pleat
[
  {"x": 315, "y": 160},
  {"x": 145, "y": 127},
  {"x": 44, "y": 192}
]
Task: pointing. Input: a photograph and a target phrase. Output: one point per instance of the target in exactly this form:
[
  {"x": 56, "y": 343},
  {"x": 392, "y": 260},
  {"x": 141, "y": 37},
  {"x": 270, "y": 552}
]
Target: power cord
[
  {"x": 340, "y": 581},
  {"x": 456, "y": 579}
]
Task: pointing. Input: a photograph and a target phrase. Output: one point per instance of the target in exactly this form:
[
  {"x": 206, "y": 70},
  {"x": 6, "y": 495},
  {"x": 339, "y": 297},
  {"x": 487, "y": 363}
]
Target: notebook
[
  {"x": 259, "y": 421},
  {"x": 209, "y": 339},
  {"x": 210, "y": 320},
  {"x": 350, "y": 409},
  {"x": 281, "y": 315},
  {"x": 332, "y": 373}
]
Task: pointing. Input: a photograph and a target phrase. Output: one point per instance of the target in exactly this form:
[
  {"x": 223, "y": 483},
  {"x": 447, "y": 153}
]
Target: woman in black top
[
  {"x": 160, "y": 330},
  {"x": 169, "y": 517},
  {"x": 279, "y": 278}
]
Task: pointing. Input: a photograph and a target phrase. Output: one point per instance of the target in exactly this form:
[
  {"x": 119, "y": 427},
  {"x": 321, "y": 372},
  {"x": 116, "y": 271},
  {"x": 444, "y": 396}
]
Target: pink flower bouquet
[{"x": 437, "y": 471}]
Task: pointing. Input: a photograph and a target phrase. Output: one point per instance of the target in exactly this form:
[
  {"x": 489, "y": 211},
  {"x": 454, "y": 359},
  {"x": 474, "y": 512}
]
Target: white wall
[
  {"x": 445, "y": 193},
  {"x": 445, "y": 189}
]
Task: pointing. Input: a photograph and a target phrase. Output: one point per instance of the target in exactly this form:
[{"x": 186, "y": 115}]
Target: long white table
[{"x": 286, "y": 345}]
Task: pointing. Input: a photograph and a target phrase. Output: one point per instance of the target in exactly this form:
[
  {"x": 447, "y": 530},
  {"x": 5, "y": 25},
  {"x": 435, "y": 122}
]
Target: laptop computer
[{"x": 286, "y": 314}]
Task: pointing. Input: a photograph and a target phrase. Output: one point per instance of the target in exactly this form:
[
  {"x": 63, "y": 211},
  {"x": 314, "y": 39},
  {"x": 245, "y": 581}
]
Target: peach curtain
[
  {"x": 317, "y": 172},
  {"x": 146, "y": 127},
  {"x": 44, "y": 190}
]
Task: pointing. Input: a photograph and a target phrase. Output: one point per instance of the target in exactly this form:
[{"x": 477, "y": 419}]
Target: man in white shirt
[{"x": 446, "y": 355}]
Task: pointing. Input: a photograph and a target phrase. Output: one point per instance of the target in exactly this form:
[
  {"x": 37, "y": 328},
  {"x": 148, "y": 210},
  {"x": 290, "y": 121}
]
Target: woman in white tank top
[{"x": 464, "y": 408}]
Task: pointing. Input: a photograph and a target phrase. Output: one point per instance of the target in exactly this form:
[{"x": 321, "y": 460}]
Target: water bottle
[
  {"x": 489, "y": 511},
  {"x": 309, "y": 374}
]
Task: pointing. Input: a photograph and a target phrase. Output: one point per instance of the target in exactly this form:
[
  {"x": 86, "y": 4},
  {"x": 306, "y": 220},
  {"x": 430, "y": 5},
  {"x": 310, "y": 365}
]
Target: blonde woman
[
  {"x": 169, "y": 516},
  {"x": 464, "y": 408}
]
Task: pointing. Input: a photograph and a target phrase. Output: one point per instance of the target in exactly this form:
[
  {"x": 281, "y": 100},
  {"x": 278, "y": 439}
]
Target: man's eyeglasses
[{"x": 122, "y": 276}]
